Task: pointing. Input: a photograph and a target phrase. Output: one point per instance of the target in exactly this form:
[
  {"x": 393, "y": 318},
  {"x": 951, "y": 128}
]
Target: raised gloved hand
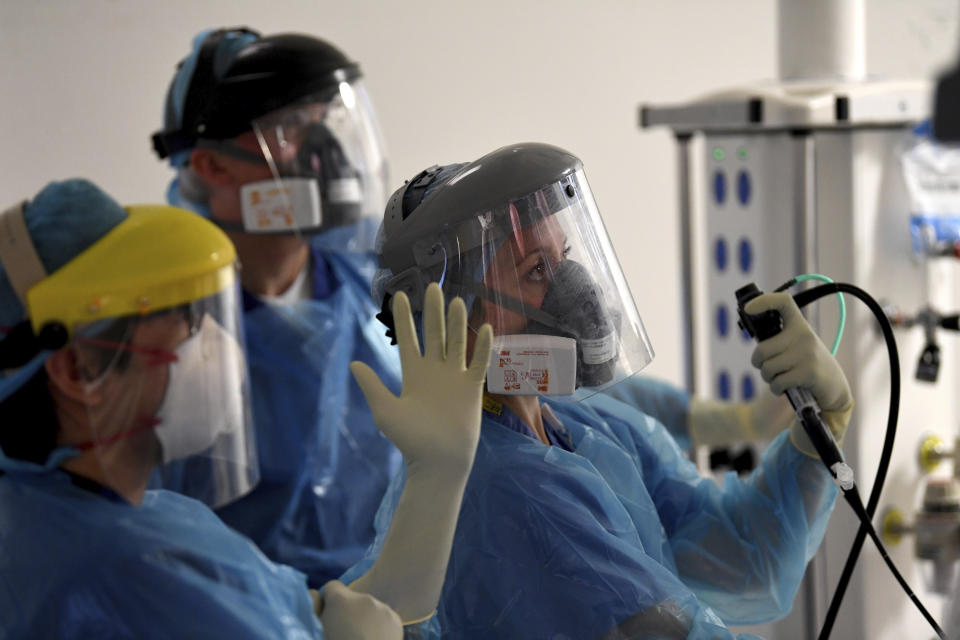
[
  {"x": 796, "y": 357},
  {"x": 349, "y": 615},
  {"x": 435, "y": 423},
  {"x": 720, "y": 424}
]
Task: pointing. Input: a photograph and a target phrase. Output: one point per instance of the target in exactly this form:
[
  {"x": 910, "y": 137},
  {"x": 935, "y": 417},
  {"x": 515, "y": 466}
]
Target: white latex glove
[
  {"x": 719, "y": 424},
  {"x": 796, "y": 357},
  {"x": 435, "y": 423},
  {"x": 348, "y": 615}
]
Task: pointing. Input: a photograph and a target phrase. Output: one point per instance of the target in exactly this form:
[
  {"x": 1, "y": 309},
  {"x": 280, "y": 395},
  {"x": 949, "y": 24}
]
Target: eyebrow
[{"x": 539, "y": 249}]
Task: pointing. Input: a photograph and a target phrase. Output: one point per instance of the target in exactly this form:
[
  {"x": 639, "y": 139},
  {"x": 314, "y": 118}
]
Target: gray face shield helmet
[{"x": 518, "y": 236}]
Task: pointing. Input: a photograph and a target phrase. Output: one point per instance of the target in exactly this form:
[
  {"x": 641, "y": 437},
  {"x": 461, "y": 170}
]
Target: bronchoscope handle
[{"x": 763, "y": 326}]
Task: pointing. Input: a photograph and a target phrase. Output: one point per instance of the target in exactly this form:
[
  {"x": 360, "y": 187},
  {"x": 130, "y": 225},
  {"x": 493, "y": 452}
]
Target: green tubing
[{"x": 843, "y": 306}]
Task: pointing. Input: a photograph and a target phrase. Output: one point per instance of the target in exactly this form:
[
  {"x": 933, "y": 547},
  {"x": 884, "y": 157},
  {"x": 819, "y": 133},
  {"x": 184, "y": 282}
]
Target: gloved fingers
[
  {"x": 481, "y": 353},
  {"x": 827, "y": 383},
  {"x": 772, "y": 347},
  {"x": 796, "y": 377},
  {"x": 407, "y": 342},
  {"x": 375, "y": 392},
  {"x": 781, "y": 302},
  {"x": 434, "y": 330},
  {"x": 772, "y": 367},
  {"x": 457, "y": 334}
]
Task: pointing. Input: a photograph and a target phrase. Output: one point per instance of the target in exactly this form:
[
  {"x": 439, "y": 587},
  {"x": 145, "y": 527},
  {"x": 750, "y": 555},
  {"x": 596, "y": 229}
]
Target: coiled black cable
[{"x": 866, "y": 513}]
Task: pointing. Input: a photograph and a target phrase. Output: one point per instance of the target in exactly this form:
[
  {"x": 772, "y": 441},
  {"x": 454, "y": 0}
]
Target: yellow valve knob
[
  {"x": 892, "y": 529},
  {"x": 931, "y": 453}
]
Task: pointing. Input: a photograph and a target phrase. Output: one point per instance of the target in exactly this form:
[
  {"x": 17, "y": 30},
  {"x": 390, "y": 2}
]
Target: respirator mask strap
[
  {"x": 511, "y": 304},
  {"x": 233, "y": 150}
]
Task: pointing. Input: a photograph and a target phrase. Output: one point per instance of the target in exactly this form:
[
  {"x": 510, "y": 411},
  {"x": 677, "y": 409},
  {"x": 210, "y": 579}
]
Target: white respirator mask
[{"x": 204, "y": 397}]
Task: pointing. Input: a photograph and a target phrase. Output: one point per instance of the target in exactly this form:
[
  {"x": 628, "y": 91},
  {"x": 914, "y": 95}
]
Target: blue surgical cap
[
  {"x": 63, "y": 220},
  {"x": 227, "y": 50}
]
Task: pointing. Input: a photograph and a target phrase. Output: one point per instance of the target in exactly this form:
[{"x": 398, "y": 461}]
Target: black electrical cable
[
  {"x": 853, "y": 499},
  {"x": 802, "y": 299}
]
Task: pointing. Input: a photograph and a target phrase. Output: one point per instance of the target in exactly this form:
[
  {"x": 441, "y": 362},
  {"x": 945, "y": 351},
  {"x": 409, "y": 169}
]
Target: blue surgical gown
[
  {"x": 78, "y": 561},
  {"x": 81, "y": 563},
  {"x": 324, "y": 466},
  {"x": 659, "y": 400},
  {"x": 611, "y": 530}
]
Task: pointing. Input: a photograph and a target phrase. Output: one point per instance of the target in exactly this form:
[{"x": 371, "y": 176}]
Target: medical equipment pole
[{"x": 686, "y": 251}]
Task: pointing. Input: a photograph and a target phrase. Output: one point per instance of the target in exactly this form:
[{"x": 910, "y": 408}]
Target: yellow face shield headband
[{"x": 158, "y": 258}]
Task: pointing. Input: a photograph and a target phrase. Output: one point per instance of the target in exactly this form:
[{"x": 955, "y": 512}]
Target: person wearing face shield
[
  {"x": 274, "y": 139},
  {"x": 121, "y": 352},
  {"x": 582, "y": 518}
]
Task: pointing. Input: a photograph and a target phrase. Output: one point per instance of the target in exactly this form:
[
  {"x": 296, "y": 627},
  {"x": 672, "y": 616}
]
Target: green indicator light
[
  {"x": 718, "y": 154},
  {"x": 742, "y": 153}
]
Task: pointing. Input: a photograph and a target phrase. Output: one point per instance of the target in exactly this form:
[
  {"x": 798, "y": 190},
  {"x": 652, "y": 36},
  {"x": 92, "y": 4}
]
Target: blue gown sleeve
[
  {"x": 743, "y": 547},
  {"x": 661, "y": 400}
]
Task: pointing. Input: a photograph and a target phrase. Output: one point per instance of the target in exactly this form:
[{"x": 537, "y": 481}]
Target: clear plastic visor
[
  {"x": 327, "y": 159},
  {"x": 169, "y": 390},
  {"x": 541, "y": 270}
]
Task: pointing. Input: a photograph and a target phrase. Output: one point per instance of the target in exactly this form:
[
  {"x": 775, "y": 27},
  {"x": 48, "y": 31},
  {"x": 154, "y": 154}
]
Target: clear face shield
[
  {"x": 326, "y": 158},
  {"x": 541, "y": 270},
  {"x": 169, "y": 390}
]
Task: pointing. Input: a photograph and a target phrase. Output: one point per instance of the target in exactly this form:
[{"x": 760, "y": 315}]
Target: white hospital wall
[{"x": 84, "y": 81}]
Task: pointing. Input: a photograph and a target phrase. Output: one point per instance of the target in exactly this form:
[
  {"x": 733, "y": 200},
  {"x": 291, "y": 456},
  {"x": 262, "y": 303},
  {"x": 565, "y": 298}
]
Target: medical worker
[
  {"x": 121, "y": 352},
  {"x": 582, "y": 518},
  {"x": 274, "y": 139}
]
